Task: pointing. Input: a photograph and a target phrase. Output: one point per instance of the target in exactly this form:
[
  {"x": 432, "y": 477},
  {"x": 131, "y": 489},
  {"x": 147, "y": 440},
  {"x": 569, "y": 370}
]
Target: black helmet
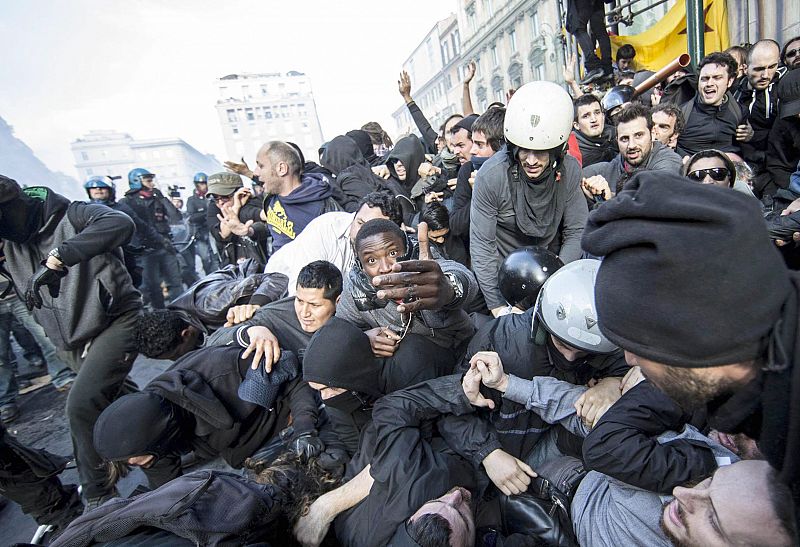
[
  {"x": 200, "y": 178},
  {"x": 523, "y": 273},
  {"x": 617, "y": 96}
]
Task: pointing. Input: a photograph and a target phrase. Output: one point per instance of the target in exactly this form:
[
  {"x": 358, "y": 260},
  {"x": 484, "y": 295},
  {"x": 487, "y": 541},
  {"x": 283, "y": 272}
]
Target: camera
[{"x": 174, "y": 190}]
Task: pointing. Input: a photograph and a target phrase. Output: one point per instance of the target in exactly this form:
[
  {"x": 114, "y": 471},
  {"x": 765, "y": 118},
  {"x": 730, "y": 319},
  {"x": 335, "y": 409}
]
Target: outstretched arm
[{"x": 466, "y": 99}]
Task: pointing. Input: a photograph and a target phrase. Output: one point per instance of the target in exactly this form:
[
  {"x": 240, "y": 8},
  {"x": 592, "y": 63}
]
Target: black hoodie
[
  {"x": 364, "y": 143},
  {"x": 410, "y": 152},
  {"x": 354, "y": 177}
]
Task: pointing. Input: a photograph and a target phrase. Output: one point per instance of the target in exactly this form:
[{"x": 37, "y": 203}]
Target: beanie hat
[
  {"x": 465, "y": 123},
  {"x": 689, "y": 276},
  {"x": 135, "y": 425},
  {"x": 353, "y": 367},
  {"x": 261, "y": 387}
]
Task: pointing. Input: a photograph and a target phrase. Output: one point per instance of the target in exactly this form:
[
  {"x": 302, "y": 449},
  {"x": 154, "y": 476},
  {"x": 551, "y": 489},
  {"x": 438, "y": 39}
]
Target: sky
[{"x": 148, "y": 67}]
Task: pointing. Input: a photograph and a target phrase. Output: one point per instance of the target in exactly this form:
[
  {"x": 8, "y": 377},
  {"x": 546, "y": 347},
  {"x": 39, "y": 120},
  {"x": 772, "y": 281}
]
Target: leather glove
[
  {"x": 44, "y": 276},
  {"x": 306, "y": 445}
]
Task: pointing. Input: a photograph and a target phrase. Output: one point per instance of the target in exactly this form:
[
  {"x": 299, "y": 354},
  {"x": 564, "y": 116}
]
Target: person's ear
[{"x": 186, "y": 333}]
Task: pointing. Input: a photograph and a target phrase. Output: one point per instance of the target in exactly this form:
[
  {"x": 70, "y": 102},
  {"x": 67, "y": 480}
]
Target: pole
[{"x": 695, "y": 30}]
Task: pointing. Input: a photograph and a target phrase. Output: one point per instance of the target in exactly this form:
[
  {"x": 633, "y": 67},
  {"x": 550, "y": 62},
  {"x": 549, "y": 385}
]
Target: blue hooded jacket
[{"x": 287, "y": 216}]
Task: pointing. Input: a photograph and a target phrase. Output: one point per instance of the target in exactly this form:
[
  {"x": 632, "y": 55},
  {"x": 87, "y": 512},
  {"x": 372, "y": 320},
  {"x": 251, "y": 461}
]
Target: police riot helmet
[
  {"x": 135, "y": 177},
  {"x": 539, "y": 116},
  {"x": 523, "y": 273},
  {"x": 200, "y": 178},
  {"x": 101, "y": 182},
  {"x": 616, "y": 97},
  {"x": 565, "y": 307}
]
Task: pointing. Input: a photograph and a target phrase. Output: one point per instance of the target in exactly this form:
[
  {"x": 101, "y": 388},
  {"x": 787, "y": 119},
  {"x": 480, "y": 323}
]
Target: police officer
[
  {"x": 160, "y": 264},
  {"x": 197, "y": 209}
]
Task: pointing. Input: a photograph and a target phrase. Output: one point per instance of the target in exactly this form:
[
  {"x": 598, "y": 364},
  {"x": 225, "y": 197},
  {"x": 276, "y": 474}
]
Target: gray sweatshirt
[{"x": 493, "y": 228}]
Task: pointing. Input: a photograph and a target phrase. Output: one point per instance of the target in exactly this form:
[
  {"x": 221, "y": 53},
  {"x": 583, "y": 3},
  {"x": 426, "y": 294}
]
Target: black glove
[
  {"x": 168, "y": 246},
  {"x": 306, "y": 445},
  {"x": 783, "y": 226},
  {"x": 43, "y": 276}
]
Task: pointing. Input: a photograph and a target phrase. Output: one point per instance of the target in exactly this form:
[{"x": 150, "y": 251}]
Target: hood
[
  {"x": 342, "y": 152},
  {"x": 313, "y": 187},
  {"x": 364, "y": 143},
  {"x": 411, "y": 153},
  {"x": 36, "y": 212}
]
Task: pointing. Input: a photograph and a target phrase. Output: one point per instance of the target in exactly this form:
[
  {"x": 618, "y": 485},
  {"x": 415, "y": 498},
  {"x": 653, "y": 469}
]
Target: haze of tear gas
[{"x": 148, "y": 68}]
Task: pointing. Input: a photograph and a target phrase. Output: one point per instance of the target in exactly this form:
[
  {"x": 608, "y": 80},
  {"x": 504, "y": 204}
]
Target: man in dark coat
[
  {"x": 744, "y": 361},
  {"x": 596, "y": 139},
  {"x": 352, "y": 172}
]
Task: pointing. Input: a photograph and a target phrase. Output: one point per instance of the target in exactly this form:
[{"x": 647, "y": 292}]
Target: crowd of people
[{"x": 567, "y": 320}]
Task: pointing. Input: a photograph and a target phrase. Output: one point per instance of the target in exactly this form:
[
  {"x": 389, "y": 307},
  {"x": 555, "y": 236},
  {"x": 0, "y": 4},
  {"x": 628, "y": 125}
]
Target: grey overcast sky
[{"x": 148, "y": 67}]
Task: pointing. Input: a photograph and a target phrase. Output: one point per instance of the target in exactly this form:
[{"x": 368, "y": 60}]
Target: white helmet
[
  {"x": 539, "y": 116},
  {"x": 566, "y": 308}
]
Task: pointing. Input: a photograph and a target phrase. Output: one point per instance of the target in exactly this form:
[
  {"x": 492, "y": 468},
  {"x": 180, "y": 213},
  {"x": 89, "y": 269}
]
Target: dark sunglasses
[
  {"x": 716, "y": 173},
  {"x": 792, "y": 53}
]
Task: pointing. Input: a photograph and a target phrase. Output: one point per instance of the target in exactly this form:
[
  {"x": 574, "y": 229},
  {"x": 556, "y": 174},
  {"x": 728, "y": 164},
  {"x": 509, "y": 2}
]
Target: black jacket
[
  {"x": 524, "y": 352},
  {"x": 783, "y": 151},
  {"x": 156, "y": 210},
  {"x": 710, "y": 127},
  {"x": 597, "y": 149},
  {"x": 409, "y": 465},
  {"x": 197, "y": 210},
  {"x": 624, "y": 443},
  {"x": 410, "y": 152},
  {"x": 429, "y": 134},
  {"x": 234, "y": 248},
  {"x": 762, "y": 106},
  {"x": 205, "y": 384},
  {"x": 462, "y": 201},
  {"x": 354, "y": 177}
]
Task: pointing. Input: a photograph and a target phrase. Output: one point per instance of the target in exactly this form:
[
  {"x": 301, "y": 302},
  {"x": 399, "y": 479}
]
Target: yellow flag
[{"x": 666, "y": 39}]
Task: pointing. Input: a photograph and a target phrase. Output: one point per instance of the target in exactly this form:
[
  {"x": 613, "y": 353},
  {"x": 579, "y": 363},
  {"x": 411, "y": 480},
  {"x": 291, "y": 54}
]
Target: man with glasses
[
  {"x": 160, "y": 265},
  {"x": 234, "y": 220},
  {"x": 528, "y": 193},
  {"x": 790, "y": 56}
]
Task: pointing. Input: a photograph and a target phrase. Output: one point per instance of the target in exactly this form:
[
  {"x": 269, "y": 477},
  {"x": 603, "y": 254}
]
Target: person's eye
[
  {"x": 392, "y": 253},
  {"x": 370, "y": 261}
]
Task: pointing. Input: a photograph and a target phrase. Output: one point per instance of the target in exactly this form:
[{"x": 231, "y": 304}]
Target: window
[
  {"x": 495, "y": 59},
  {"x": 456, "y": 39},
  {"x": 223, "y": 91},
  {"x": 448, "y": 82},
  {"x": 85, "y": 156},
  {"x": 535, "y": 24},
  {"x": 232, "y": 115},
  {"x": 499, "y": 96},
  {"x": 472, "y": 20},
  {"x": 267, "y": 114},
  {"x": 538, "y": 72},
  {"x": 488, "y": 8},
  {"x": 246, "y": 91},
  {"x": 235, "y": 130},
  {"x": 249, "y": 114},
  {"x": 512, "y": 41},
  {"x": 264, "y": 91},
  {"x": 429, "y": 47}
]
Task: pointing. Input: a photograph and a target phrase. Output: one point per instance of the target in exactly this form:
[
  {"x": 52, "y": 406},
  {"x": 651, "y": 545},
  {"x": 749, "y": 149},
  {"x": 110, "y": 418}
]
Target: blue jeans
[{"x": 59, "y": 371}]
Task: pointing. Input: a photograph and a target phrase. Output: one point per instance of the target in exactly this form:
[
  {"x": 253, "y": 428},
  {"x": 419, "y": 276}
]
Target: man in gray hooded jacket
[{"x": 66, "y": 260}]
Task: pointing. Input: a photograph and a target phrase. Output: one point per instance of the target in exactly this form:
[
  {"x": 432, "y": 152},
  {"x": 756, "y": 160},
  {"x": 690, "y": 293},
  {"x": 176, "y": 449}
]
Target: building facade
[
  {"x": 256, "y": 108},
  {"x": 511, "y": 41},
  {"x": 174, "y": 161}
]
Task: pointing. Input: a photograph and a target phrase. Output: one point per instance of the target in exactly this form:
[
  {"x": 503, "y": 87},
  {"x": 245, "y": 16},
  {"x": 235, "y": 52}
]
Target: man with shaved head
[
  {"x": 757, "y": 95},
  {"x": 293, "y": 198}
]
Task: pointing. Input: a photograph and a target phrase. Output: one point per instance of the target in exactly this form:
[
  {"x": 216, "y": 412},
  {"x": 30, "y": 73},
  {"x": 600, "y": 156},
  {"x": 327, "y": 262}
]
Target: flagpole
[{"x": 695, "y": 30}]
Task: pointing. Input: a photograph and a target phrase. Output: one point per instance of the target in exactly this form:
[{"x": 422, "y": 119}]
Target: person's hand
[
  {"x": 795, "y": 239},
  {"x": 420, "y": 284},
  {"x": 655, "y": 97},
  {"x": 239, "y": 168},
  {"x": 509, "y": 475},
  {"x": 382, "y": 171},
  {"x": 306, "y": 446},
  {"x": 166, "y": 244},
  {"x": 452, "y": 183},
  {"x": 744, "y": 132},
  {"x": 569, "y": 70},
  {"x": 793, "y": 207},
  {"x": 383, "y": 341},
  {"x": 312, "y": 527},
  {"x": 490, "y": 366},
  {"x": 596, "y": 400},
  {"x": 471, "y": 384},
  {"x": 427, "y": 169},
  {"x": 596, "y": 186},
  {"x": 230, "y": 224},
  {"x": 434, "y": 196},
  {"x": 45, "y": 276},
  {"x": 240, "y": 314},
  {"x": 240, "y": 197},
  {"x": 263, "y": 345},
  {"x": 472, "y": 179},
  {"x": 633, "y": 377},
  {"x": 404, "y": 86},
  {"x": 470, "y": 73}
]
